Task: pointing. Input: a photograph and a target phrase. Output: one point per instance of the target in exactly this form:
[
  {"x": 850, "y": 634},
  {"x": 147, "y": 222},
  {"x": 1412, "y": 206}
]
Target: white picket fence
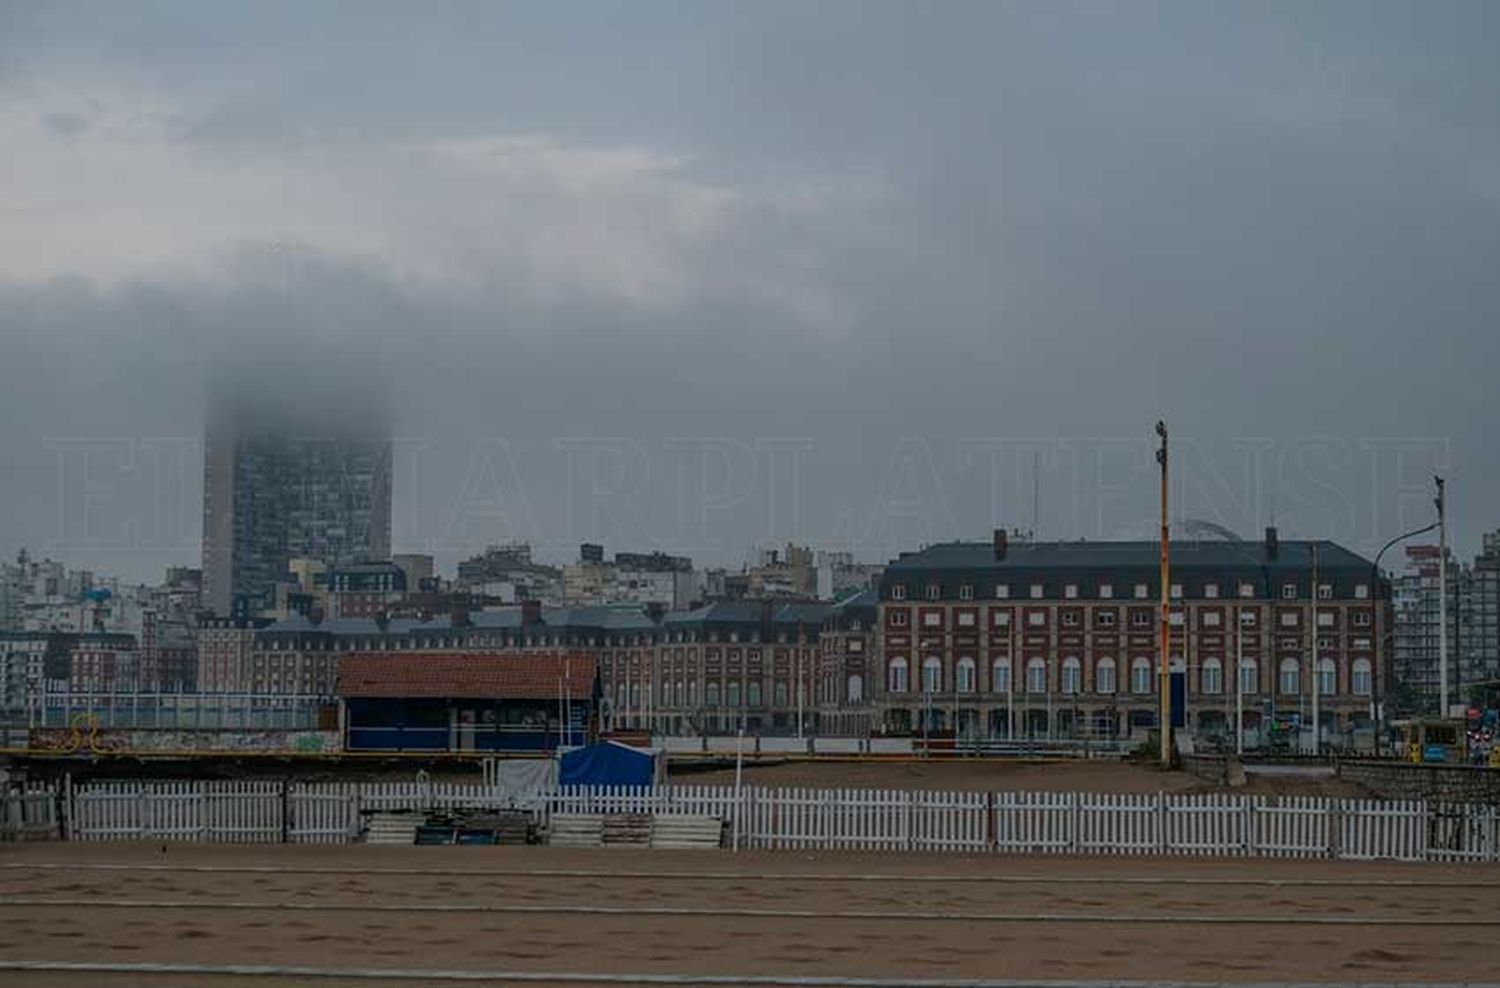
[{"x": 1216, "y": 824}]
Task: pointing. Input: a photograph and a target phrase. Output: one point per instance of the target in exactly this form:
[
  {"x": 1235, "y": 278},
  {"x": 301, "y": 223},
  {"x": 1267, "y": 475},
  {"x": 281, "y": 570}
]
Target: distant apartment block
[{"x": 277, "y": 486}]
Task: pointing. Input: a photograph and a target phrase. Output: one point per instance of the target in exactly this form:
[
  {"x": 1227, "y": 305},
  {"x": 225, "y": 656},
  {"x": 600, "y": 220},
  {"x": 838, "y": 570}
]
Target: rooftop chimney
[
  {"x": 1002, "y": 544},
  {"x": 1272, "y": 548}
]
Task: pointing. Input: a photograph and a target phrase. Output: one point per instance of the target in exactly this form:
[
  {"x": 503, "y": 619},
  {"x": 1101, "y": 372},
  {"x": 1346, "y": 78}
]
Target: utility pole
[
  {"x": 1165, "y": 671},
  {"x": 1312, "y": 640},
  {"x": 1239, "y": 679},
  {"x": 1442, "y": 511}
]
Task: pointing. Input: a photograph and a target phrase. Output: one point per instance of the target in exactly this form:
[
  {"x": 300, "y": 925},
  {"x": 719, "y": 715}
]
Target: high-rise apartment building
[{"x": 306, "y": 478}]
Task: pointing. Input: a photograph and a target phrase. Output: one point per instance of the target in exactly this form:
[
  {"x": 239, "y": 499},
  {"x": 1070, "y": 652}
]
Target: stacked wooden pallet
[
  {"x": 686, "y": 830},
  {"x": 576, "y": 830},
  {"x": 667, "y": 830},
  {"x": 392, "y": 828},
  {"x": 627, "y": 830},
  {"x": 504, "y": 827}
]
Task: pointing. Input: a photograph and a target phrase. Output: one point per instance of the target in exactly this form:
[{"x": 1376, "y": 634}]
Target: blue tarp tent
[{"x": 608, "y": 763}]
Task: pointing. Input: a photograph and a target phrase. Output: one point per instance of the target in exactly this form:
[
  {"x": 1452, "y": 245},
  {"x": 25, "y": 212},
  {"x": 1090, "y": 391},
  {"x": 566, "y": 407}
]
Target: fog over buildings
[
  {"x": 290, "y": 475},
  {"x": 711, "y": 277}
]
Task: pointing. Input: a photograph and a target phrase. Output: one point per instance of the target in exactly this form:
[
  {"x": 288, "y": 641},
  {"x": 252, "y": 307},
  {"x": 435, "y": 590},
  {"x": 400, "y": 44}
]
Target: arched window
[
  {"x": 752, "y": 693},
  {"x": 1360, "y": 674},
  {"x": 1328, "y": 678},
  {"x": 966, "y": 675},
  {"x": 932, "y": 674},
  {"x": 682, "y": 697},
  {"x": 711, "y": 693},
  {"x": 896, "y": 674},
  {"x": 1291, "y": 676},
  {"x": 1213, "y": 676},
  {"x": 781, "y": 692},
  {"x": 1036, "y": 676},
  {"x": 855, "y": 690},
  {"x": 1140, "y": 675},
  {"x": 1000, "y": 676},
  {"x": 732, "y": 693},
  {"x": 1104, "y": 676},
  {"x": 1072, "y": 675},
  {"x": 1249, "y": 676}
]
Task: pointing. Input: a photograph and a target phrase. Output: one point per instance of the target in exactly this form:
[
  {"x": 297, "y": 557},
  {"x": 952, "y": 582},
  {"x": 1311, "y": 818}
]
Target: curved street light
[{"x": 1375, "y": 592}]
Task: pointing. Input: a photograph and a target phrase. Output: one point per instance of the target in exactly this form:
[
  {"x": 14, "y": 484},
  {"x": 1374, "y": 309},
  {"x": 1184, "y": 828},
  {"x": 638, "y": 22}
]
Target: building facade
[
  {"x": 845, "y": 650},
  {"x": 225, "y": 645},
  {"x": 1060, "y": 640},
  {"x": 365, "y": 589}
]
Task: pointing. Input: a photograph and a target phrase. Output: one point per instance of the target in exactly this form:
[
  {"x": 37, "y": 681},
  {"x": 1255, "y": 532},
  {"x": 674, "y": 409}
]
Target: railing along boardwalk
[{"x": 1183, "y": 824}]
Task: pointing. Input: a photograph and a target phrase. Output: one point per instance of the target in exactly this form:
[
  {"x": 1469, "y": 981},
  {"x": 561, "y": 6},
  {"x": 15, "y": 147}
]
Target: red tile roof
[{"x": 468, "y": 675}]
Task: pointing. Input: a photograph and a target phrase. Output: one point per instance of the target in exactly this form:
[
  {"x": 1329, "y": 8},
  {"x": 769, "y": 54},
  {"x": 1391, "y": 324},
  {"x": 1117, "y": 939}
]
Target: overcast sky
[{"x": 705, "y": 276}]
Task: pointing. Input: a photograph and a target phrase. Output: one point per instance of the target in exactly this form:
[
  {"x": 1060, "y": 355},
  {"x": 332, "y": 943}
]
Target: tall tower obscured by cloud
[{"x": 290, "y": 470}]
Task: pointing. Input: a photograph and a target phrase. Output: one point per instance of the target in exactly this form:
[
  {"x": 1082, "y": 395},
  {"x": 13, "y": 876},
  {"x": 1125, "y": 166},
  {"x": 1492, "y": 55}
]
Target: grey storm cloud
[{"x": 711, "y": 275}]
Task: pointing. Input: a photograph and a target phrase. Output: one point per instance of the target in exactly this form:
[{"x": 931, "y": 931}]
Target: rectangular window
[
  {"x": 1002, "y": 591},
  {"x": 1176, "y": 591},
  {"x": 966, "y": 592},
  {"x": 1106, "y": 619},
  {"x": 1361, "y": 591},
  {"x": 1001, "y": 619},
  {"x": 966, "y": 619},
  {"x": 1106, "y": 591},
  {"x": 1289, "y": 591},
  {"x": 1174, "y": 618},
  {"x": 898, "y": 591},
  {"x": 1247, "y": 590},
  {"x": 1070, "y": 619},
  {"x": 932, "y": 619},
  {"x": 1036, "y": 591},
  {"x": 1036, "y": 618},
  {"x": 1325, "y": 619},
  {"x": 1325, "y": 591},
  {"x": 934, "y": 591},
  {"x": 1210, "y": 619},
  {"x": 1361, "y": 619},
  {"x": 1071, "y": 591},
  {"x": 1289, "y": 619},
  {"x": 898, "y": 619},
  {"x": 1142, "y": 591},
  {"x": 1140, "y": 619},
  {"x": 1247, "y": 619}
]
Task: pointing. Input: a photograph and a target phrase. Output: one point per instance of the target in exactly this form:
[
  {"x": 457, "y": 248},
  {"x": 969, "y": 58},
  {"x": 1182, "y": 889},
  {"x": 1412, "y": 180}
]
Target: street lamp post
[
  {"x": 1442, "y": 512},
  {"x": 1164, "y": 672},
  {"x": 1379, "y": 610}
]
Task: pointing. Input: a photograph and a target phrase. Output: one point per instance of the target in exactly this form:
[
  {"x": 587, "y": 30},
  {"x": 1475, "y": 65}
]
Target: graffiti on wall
[{"x": 83, "y": 735}]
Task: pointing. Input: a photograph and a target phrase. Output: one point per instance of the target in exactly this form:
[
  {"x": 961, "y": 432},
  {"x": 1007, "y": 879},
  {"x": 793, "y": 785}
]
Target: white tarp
[{"x": 522, "y": 777}]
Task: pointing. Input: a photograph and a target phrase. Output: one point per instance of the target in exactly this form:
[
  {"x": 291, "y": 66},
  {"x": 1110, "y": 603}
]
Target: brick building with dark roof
[{"x": 1060, "y": 639}]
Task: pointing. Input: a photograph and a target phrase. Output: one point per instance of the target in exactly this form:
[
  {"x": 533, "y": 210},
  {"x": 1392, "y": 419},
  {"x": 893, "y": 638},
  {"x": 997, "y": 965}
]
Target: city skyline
[{"x": 657, "y": 277}]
